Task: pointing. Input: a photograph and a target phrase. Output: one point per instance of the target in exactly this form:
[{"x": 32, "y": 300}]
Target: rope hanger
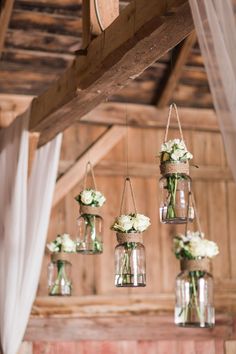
[
  {"x": 128, "y": 180},
  {"x": 89, "y": 168},
  {"x": 173, "y": 105}
]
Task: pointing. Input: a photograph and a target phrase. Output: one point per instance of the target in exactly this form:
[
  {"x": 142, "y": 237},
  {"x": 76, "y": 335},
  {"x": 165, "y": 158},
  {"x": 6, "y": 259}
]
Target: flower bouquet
[
  {"x": 194, "y": 285},
  {"x": 175, "y": 183},
  {"x": 130, "y": 252},
  {"x": 59, "y": 282},
  {"x": 90, "y": 222}
]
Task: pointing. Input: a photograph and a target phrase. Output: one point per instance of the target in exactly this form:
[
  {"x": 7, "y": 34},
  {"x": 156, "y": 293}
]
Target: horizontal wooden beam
[
  {"x": 123, "y": 51},
  {"x": 114, "y": 318},
  {"x": 147, "y": 116},
  {"x": 147, "y": 170},
  {"x": 93, "y": 154}
]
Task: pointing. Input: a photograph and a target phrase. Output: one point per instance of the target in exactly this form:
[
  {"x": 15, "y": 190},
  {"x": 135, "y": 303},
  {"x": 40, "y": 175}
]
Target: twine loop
[
  {"x": 173, "y": 105},
  {"x": 89, "y": 167},
  {"x": 192, "y": 265},
  {"x": 128, "y": 180},
  {"x": 125, "y": 237}
]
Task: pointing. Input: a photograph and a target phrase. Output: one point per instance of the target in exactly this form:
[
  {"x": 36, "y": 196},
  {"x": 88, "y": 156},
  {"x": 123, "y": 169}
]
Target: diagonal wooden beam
[
  {"x": 5, "y": 15},
  {"x": 94, "y": 154},
  {"x": 175, "y": 70},
  {"x": 141, "y": 34},
  {"x": 168, "y": 85}
]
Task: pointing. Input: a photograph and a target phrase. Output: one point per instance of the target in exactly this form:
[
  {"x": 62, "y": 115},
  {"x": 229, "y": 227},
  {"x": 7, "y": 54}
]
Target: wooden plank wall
[
  {"x": 94, "y": 275},
  {"x": 215, "y": 201}
]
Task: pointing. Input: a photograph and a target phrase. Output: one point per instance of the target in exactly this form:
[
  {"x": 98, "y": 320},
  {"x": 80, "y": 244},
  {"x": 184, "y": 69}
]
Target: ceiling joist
[{"x": 141, "y": 34}]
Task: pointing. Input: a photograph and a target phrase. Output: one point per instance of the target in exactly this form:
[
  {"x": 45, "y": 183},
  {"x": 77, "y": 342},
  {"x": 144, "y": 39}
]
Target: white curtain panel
[
  {"x": 24, "y": 216},
  {"x": 216, "y": 30}
]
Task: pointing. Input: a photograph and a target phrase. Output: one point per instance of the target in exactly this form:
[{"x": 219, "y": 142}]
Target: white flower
[
  {"x": 197, "y": 248},
  {"x": 52, "y": 247},
  {"x": 124, "y": 223},
  {"x": 177, "y": 155},
  {"x": 63, "y": 243},
  {"x": 99, "y": 198},
  {"x": 211, "y": 248},
  {"x": 140, "y": 222},
  {"x": 86, "y": 197}
]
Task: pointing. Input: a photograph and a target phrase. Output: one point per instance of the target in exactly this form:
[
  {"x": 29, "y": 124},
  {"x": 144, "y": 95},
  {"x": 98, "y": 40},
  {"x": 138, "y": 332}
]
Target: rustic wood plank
[
  {"x": 206, "y": 347},
  {"x": 105, "y": 319},
  {"x": 129, "y": 49},
  {"x": 230, "y": 347},
  {"x": 51, "y": 23},
  {"x": 175, "y": 71},
  {"x": 12, "y": 106},
  {"x": 94, "y": 154},
  {"x": 147, "y": 116},
  {"x": 5, "y": 14}
]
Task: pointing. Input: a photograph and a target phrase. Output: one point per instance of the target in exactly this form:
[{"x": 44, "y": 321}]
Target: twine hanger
[
  {"x": 89, "y": 168},
  {"x": 127, "y": 180},
  {"x": 173, "y": 105},
  {"x": 191, "y": 196}
]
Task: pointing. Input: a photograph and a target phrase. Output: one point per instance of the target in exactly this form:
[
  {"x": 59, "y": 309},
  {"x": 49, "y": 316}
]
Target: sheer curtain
[
  {"x": 215, "y": 25},
  {"x": 24, "y": 216}
]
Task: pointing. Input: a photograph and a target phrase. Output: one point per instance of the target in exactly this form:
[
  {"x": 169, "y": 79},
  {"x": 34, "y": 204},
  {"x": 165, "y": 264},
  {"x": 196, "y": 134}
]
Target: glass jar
[
  {"x": 194, "y": 299},
  {"x": 176, "y": 205},
  {"x": 90, "y": 231},
  {"x": 130, "y": 265},
  {"x": 59, "y": 276}
]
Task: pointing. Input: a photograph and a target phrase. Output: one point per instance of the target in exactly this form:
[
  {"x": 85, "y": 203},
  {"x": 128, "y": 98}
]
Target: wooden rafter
[
  {"x": 126, "y": 48},
  {"x": 5, "y": 14},
  {"x": 147, "y": 116},
  {"x": 175, "y": 70},
  {"x": 94, "y": 153}
]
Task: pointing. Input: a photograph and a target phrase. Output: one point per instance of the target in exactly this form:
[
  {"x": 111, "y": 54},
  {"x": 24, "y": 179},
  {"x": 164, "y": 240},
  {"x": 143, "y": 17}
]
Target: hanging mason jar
[
  {"x": 90, "y": 223},
  {"x": 90, "y": 231},
  {"x": 59, "y": 275},
  {"x": 175, "y": 187},
  {"x": 130, "y": 267},
  {"x": 175, "y": 183},
  {"x": 194, "y": 295}
]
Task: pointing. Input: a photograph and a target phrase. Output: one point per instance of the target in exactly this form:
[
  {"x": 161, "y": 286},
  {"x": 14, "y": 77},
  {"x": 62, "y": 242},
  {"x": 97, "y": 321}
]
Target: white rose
[
  {"x": 197, "y": 248},
  {"x": 124, "y": 223},
  {"x": 166, "y": 147},
  {"x": 99, "y": 198},
  {"x": 177, "y": 154},
  {"x": 211, "y": 248},
  {"x": 68, "y": 245},
  {"x": 86, "y": 197},
  {"x": 52, "y": 247},
  {"x": 140, "y": 222},
  {"x": 188, "y": 155}
]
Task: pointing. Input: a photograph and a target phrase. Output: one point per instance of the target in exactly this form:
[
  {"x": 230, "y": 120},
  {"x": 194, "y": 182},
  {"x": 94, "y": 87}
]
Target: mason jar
[
  {"x": 130, "y": 265},
  {"x": 194, "y": 296},
  {"x": 59, "y": 275},
  {"x": 175, "y": 202},
  {"x": 90, "y": 233}
]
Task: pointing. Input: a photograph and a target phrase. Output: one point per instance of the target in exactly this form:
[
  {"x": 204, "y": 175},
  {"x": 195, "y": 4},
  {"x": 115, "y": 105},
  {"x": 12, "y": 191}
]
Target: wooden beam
[
  {"x": 105, "y": 317},
  {"x": 5, "y": 14},
  {"x": 12, "y": 106},
  {"x": 126, "y": 48},
  {"x": 94, "y": 153},
  {"x": 147, "y": 116},
  {"x": 176, "y": 69},
  {"x": 147, "y": 170}
]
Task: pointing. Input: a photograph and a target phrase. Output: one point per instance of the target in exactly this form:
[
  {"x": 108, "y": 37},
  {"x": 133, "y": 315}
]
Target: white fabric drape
[
  {"x": 215, "y": 25},
  {"x": 24, "y": 216}
]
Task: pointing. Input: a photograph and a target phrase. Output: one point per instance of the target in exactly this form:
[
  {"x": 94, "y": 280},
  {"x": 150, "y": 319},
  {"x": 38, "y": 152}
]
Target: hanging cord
[
  {"x": 173, "y": 105},
  {"x": 89, "y": 166},
  {"x": 191, "y": 196},
  {"x": 127, "y": 142},
  {"x": 128, "y": 180}
]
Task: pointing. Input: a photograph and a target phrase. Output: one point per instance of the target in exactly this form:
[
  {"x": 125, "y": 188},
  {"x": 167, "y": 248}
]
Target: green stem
[{"x": 195, "y": 297}]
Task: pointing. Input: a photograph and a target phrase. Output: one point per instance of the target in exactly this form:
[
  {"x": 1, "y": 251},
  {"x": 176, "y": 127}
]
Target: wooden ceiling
[{"x": 41, "y": 43}]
